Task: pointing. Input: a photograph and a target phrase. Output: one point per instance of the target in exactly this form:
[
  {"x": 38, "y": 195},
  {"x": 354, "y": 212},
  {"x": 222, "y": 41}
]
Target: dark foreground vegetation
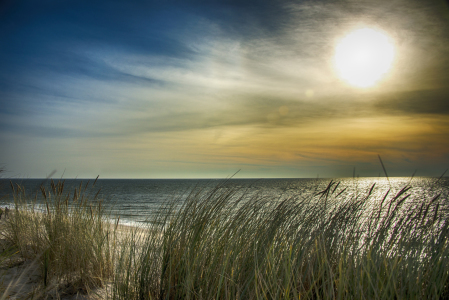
[{"x": 222, "y": 244}]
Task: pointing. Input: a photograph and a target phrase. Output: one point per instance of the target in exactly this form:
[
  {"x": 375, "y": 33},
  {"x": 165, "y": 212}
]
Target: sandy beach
[{"x": 21, "y": 278}]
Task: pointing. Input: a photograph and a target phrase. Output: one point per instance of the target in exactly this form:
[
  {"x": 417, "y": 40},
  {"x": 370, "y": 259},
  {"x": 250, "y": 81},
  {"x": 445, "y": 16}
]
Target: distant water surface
[{"x": 134, "y": 200}]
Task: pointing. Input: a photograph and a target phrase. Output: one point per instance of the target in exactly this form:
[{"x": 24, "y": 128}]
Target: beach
[
  {"x": 224, "y": 243},
  {"x": 22, "y": 278}
]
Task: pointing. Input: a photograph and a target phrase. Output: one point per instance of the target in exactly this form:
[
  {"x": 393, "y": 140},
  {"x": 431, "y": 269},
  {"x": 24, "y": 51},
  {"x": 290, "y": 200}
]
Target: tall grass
[
  {"x": 66, "y": 234},
  {"x": 223, "y": 245}
]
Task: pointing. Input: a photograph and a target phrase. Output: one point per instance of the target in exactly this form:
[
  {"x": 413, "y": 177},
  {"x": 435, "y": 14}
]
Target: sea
[{"x": 136, "y": 200}]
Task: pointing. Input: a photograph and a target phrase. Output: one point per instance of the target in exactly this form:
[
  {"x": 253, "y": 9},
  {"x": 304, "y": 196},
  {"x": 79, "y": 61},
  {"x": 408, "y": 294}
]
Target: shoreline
[{"x": 216, "y": 240}]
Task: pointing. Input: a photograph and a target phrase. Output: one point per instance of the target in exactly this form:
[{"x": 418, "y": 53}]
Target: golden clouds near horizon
[
  {"x": 363, "y": 57},
  {"x": 283, "y": 110}
]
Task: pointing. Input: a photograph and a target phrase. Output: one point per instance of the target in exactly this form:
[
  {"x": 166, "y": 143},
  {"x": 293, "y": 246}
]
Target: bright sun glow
[{"x": 363, "y": 57}]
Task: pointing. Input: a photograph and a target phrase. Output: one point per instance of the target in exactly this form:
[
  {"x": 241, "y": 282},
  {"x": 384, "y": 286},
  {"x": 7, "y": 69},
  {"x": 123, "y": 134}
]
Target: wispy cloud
[{"x": 187, "y": 84}]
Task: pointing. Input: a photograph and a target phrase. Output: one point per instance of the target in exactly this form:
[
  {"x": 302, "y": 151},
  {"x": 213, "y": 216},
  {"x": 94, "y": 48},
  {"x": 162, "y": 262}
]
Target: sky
[{"x": 203, "y": 89}]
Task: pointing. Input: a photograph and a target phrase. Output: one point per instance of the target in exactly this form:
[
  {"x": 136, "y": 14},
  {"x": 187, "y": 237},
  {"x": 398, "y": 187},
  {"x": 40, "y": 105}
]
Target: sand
[{"x": 21, "y": 279}]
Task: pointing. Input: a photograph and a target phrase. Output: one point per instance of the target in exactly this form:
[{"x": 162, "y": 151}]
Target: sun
[{"x": 363, "y": 57}]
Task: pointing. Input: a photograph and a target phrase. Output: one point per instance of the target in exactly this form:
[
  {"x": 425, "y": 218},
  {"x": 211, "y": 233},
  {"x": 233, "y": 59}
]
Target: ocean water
[{"x": 135, "y": 200}]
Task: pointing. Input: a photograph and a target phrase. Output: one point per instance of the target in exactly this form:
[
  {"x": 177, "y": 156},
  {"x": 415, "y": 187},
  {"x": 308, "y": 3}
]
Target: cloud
[
  {"x": 241, "y": 82},
  {"x": 415, "y": 102}
]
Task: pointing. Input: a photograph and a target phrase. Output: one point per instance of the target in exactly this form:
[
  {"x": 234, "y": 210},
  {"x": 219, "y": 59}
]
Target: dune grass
[
  {"x": 222, "y": 243},
  {"x": 65, "y": 234}
]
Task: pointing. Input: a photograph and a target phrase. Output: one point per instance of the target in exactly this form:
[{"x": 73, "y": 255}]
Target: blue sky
[{"x": 200, "y": 89}]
